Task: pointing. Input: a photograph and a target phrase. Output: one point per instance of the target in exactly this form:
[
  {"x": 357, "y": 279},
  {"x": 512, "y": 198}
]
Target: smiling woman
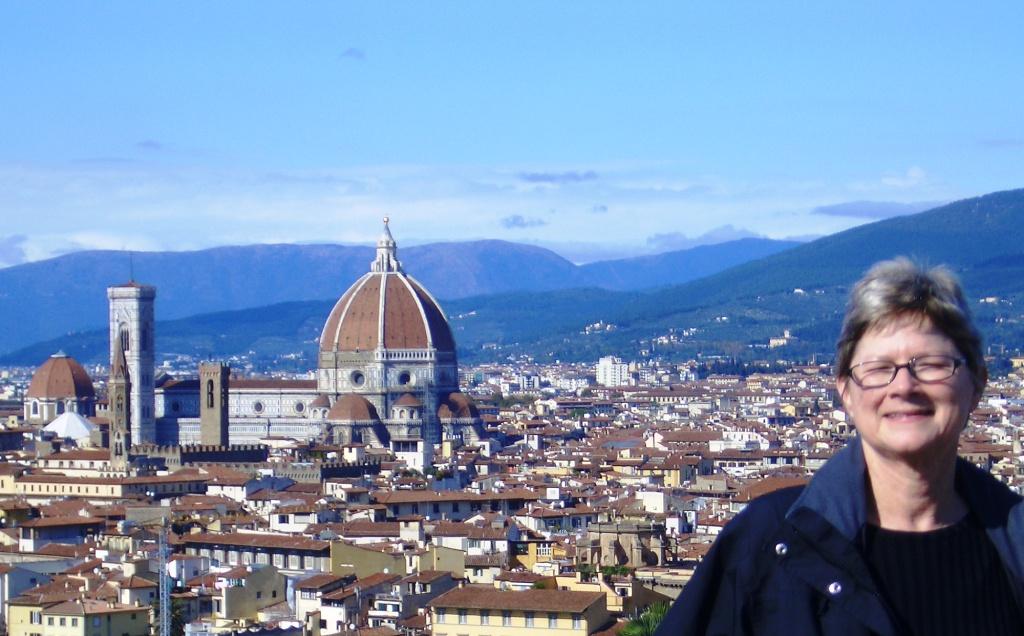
[
  {"x": 895, "y": 534},
  {"x": 909, "y": 422}
]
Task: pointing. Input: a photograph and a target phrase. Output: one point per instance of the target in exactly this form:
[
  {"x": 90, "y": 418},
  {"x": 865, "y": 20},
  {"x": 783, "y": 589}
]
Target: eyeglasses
[{"x": 927, "y": 369}]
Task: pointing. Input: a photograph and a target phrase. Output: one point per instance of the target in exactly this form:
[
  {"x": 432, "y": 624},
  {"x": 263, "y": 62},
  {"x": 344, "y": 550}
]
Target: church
[{"x": 387, "y": 376}]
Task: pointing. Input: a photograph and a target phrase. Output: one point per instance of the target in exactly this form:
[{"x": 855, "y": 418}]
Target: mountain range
[
  {"x": 733, "y": 311},
  {"x": 68, "y": 293}
]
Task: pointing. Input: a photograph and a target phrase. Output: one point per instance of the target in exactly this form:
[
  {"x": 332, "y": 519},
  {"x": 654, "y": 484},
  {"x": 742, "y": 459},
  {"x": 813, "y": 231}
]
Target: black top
[{"x": 946, "y": 581}]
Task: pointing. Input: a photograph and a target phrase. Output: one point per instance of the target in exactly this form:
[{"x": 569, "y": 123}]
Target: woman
[{"x": 895, "y": 534}]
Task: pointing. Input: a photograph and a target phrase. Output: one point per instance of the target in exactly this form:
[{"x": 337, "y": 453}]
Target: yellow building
[
  {"x": 8, "y": 476},
  {"x": 482, "y": 611},
  {"x": 672, "y": 471},
  {"x": 77, "y": 617},
  {"x": 624, "y": 595},
  {"x": 244, "y": 590},
  {"x": 41, "y": 487},
  {"x": 529, "y": 552}
]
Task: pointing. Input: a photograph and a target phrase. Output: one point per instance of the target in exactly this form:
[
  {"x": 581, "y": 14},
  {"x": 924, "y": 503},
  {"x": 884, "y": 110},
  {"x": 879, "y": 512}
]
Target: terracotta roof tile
[
  {"x": 536, "y": 600},
  {"x": 262, "y": 540},
  {"x": 55, "y": 522},
  {"x": 318, "y": 581},
  {"x": 61, "y": 376}
]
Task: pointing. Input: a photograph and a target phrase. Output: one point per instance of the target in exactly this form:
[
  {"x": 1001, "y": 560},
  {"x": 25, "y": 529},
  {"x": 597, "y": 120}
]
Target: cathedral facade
[{"x": 387, "y": 375}]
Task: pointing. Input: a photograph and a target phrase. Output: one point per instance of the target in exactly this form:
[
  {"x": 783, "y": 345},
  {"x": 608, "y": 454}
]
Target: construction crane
[
  {"x": 163, "y": 553},
  {"x": 163, "y": 549}
]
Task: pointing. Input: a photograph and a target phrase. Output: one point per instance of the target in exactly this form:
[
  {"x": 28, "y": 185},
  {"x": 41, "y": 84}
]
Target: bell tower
[
  {"x": 119, "y": 400},
  {"x": 131, "y": 332},
  {"x": 213, "y": 403}
]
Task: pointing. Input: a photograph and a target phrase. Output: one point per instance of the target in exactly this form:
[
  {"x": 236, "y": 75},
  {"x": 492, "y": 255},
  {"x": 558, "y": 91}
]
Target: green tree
[
  {"x": 615, "y": 570},
  {"x": 177, "y": 618},
  {"x": 647, "y": 622}
]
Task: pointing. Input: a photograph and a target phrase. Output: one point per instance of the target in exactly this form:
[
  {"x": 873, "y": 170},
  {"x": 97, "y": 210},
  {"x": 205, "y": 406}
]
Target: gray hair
[{"x": 897, "y": 288}]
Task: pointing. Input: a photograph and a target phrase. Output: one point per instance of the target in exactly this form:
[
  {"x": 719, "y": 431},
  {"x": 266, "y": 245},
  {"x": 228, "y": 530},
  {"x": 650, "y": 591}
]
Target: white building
[{"x": 612, "y": 371}]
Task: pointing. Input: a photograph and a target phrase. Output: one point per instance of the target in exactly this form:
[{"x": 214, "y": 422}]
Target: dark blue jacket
[{"x": 791, "y": 562}]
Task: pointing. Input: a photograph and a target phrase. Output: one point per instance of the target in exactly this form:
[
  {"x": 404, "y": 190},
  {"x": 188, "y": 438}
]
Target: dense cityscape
[
  {"x": 511, "y": 319},
  {"x": 390, "y": 491}
]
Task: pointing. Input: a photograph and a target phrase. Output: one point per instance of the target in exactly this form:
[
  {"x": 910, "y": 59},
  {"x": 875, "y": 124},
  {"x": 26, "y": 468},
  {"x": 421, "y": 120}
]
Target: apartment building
[{"x": 479, "y": 611}]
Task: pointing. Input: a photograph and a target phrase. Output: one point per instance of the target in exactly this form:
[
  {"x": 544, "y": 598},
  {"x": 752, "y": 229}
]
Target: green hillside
[{"x": 733, "y": 312}]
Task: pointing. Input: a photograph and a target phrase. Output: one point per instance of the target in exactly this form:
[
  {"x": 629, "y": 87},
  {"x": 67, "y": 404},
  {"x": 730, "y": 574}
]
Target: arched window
[
  {"x": 125, "y": 340},
  {"x": 209, "y": 394}
]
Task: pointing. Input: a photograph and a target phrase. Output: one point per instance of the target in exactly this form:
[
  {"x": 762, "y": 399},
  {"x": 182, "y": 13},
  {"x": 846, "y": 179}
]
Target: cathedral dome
[
  {"x": 386, "y": 309},
  {"x": 61, "y": 377},
  {"x": 353, "y": 408}
]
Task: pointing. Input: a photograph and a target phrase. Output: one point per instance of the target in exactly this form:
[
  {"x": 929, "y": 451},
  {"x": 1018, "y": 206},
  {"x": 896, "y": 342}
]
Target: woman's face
[{"x": 908, "y": 420}]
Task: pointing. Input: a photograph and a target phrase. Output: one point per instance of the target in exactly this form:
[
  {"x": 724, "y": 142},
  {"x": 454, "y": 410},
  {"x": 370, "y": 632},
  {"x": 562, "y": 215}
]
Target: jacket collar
[
  {"x": 838, "y": 494},
  {"x": 827, "y": 519}
]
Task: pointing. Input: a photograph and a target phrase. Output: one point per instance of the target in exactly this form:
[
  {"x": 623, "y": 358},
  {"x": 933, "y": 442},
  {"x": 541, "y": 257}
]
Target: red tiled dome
[
  {"x": 408, "y": 399},
  {"x": 61, "y": 377},
  {"x": 352, "y": 408},
  {"x": 386, "y": 308}
]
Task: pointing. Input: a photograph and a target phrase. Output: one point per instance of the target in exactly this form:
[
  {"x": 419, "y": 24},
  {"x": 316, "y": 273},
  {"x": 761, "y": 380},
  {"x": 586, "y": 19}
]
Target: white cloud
[
  {"x": 518, "y": 221},
  {"x": 914, "y": 176},
  {"x": 642, "y": 208},
  {"x": 874, "y": 209},
  {"x": 678, "y": 241}
]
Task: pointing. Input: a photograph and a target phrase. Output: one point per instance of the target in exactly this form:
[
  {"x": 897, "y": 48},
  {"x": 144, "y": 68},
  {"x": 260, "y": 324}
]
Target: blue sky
[{"x": 597, "y": 129}]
